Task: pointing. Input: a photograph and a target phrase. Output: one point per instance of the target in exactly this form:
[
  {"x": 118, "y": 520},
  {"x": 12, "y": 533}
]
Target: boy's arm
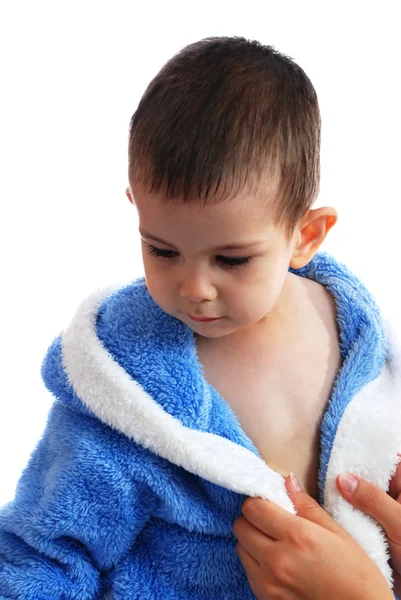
[{"x": 75, "y": 514}]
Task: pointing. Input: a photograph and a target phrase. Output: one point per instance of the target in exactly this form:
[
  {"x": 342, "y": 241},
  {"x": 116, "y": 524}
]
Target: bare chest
[{"x": 279, "y": 402}]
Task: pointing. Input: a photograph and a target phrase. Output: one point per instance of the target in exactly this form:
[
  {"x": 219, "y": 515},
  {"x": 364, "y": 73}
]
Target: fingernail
[
  {"x": 295, "y": 482},
  {"x": 348, "y": 482}
]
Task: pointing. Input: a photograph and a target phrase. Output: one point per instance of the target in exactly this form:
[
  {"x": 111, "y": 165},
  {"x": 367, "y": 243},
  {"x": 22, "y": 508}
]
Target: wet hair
[{"x": 227, "y": 115}]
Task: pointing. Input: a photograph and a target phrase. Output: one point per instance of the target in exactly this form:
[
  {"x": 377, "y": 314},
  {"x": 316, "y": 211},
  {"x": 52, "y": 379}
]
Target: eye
[
  {"x": 226, "y": 261},
  {"x": 161, "y": 253},
  {"x": 234, "y": 261}
]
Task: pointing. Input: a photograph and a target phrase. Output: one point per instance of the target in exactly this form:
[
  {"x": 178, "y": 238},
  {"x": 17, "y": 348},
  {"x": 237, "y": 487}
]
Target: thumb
[
  {"x": 307, "y": 508},
  {"x": 372, "y": 500}
]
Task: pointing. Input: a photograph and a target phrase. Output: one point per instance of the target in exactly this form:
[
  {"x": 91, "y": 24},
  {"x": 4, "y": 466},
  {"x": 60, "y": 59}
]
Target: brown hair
[{"x": 226, "y": 114}]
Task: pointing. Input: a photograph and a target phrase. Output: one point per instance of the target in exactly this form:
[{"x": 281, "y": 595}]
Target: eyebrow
[{"x": 226, "y": 247}]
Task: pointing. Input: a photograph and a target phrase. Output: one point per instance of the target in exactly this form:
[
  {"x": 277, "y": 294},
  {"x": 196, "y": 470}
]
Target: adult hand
[
  {"x": 382, "y": 506},
  {"x": 307, "y": 556}
]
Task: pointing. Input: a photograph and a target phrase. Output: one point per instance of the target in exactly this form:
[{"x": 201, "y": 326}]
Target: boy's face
[{"x": 190, "y": 274}]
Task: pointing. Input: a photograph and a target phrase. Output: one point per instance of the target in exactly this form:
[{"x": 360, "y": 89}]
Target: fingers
[
  {"x": 248, "y": 561},
  {"x": 256, "y": 543},
  {"x": 309, "y": 509},
  {"x": 268, "y": 517},
  {"x": 374, "y": 501},
  {"x": 276, "y": 523}
]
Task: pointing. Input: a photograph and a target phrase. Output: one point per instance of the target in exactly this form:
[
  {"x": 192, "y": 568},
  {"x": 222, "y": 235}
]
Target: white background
[{"x": 72, "y": 74}]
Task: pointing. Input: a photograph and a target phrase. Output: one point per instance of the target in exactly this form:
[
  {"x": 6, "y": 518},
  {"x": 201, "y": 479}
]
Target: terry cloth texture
[{"x": 143, "y": 467}]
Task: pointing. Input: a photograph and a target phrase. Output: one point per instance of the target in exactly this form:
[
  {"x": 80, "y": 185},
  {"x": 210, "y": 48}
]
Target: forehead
[{"x": 238, "y": 220}]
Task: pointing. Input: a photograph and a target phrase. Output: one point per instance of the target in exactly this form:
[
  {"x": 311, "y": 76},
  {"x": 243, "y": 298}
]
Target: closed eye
[
  {"x": 226, "y": 261},
  {"x": 233, "y": 261},
  {"x": 160, "y": 253}
]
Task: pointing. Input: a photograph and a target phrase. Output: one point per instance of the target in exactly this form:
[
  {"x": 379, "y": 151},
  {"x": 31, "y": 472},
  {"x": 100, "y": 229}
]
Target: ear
[
  {"x": 312, "y": 231},
  {"x": 129, "y": 196}
]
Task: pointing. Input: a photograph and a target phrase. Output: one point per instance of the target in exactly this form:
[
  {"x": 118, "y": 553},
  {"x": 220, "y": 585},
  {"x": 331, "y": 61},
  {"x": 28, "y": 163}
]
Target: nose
[{"x": 197, "y": 287}]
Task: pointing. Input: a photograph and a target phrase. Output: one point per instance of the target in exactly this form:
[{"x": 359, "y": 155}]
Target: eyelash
[{"x": 228, "y": 261}]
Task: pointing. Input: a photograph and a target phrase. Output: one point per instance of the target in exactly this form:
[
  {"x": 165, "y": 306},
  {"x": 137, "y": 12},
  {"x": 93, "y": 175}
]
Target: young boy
[{"x": 243, "y": 355}]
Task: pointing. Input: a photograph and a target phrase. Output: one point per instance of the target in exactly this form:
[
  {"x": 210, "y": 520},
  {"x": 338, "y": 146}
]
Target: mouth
[{"x": 203, "y": 319}]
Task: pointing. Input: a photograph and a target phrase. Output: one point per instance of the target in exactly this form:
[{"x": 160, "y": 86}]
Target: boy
[{"x": 241, "y": 352}]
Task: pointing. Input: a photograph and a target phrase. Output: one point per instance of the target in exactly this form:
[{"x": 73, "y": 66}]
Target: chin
[{"x": 212, "y": 334}]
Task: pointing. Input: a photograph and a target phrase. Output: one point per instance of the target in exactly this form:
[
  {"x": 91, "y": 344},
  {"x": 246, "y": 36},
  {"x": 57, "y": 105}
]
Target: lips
[{"x": 203, "y": 319}]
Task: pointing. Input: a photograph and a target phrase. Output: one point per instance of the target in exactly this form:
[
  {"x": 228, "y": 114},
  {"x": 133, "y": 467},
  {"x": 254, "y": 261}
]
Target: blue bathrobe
[{"x": 143, "y": 467}]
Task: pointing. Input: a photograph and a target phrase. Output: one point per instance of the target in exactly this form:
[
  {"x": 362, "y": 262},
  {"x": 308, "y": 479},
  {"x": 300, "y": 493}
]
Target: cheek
[
  {"x": 259, "y": 294},
  {"x": 151, "y": 274},
  {"x": 157, "y": 281},
  {"x": 154, "y": 280}
]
